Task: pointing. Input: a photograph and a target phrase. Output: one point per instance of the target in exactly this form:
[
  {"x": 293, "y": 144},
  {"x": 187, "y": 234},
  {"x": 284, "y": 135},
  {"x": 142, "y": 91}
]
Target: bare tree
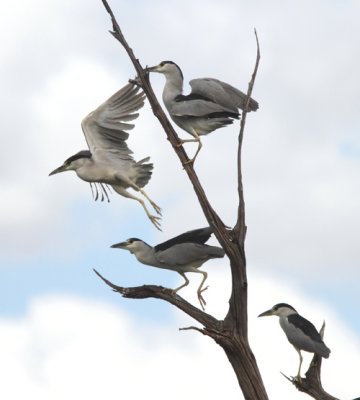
[{"x": 231, "y": 333}]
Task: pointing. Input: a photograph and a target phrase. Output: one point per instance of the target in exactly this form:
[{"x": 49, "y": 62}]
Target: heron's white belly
[{"x": 99, "y": 173}]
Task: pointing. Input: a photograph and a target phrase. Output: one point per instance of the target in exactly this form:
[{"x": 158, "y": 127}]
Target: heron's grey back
[{"x": 187, "y": 253}]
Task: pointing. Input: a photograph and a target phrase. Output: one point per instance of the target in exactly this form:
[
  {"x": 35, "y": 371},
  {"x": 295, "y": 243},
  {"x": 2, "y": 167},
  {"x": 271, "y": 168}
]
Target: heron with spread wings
[{"x": 108, "y": 162}]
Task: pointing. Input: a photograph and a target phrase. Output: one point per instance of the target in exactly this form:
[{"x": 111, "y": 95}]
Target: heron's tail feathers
[
  {"x": 324, "y": 351},
  {"x": 144, "y": 171},
  {"x": 215, "y": 251}
]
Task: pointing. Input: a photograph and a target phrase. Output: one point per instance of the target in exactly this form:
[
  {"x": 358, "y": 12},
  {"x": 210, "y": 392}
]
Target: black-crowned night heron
[
  {"x": 211, "y": 105},
  {"x": 300, "y": 332},
  {"x": 109, "y": 161},
  {"x": 184, "y": 253}
]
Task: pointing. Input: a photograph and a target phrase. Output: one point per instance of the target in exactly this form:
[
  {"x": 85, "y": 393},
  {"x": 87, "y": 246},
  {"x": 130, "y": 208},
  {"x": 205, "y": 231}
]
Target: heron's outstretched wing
[
  {"x": 199, "y": 236},
  {"x": 221, "y": 93},
  {"x": 105, "y": 128}
]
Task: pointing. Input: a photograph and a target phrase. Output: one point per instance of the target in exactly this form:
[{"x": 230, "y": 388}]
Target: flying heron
[{"x": 108, "y": 162}]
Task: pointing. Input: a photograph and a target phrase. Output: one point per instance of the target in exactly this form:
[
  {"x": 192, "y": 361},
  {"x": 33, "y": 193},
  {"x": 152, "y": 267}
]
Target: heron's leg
[
  {"x": 200, "y": 289},
  {"x": 184, "y": 284},
  {"x": 154, "y": 205},
  {"x": 154, "y": 220},
  {"x": 142, "y": 191},
  {"x": 182, "y": 141},
  {"x": 196, "y": 139},
  {"x": 298, "y": 377}
]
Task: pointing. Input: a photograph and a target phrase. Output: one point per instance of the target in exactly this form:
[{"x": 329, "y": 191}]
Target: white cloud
[{"x": 68, "y": 347}]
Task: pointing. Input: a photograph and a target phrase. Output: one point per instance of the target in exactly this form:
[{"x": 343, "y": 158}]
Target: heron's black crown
[
  {"x": 80, "y": 154},
  {"x": 131, "y": 240},
  {"x": 172, "y": 62},
  {"x": 279, "y": 305}
]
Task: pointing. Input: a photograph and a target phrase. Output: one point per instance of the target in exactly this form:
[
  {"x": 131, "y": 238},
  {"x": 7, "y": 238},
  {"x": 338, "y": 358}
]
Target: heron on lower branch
[
  {"x": 300, "y": 332},
  {"x": 184, "y": 253}
]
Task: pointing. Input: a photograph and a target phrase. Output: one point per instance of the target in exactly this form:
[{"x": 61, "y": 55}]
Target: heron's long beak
[
  {"x": 152, "y": 69},
  {"x": 266, "y": 313},
  {"x": 121, "y": 245},
  {"x": 62, "y": 168}
]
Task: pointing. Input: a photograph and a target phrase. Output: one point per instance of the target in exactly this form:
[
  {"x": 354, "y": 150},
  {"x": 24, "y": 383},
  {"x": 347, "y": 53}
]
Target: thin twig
[{"x": 240, "y": 227}]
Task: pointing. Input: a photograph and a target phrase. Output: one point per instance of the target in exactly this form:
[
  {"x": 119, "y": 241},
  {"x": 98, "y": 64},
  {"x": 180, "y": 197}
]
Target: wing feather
[
  {"x": 105, "y": 128},
  {"x": 199, "y": 236}
]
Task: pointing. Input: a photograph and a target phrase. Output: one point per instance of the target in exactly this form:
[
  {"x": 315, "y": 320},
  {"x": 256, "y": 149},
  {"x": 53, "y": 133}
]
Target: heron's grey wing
[
  {"x": 305, "y": 326},
  {"x": 193, "y": 107},
  {"x": 186, "y": 253},
  {"x": 306, "y": 335},
  {"x": 105, "y": 128},
  {"x": 200, "y": 236},
  {"x": 221, "y": 93}
]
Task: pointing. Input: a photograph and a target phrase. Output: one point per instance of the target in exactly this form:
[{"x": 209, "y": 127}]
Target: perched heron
[
  {"x": 184, "y": 253},
  {"x": 300, "y": 332},
  {"x": 211, "y": 105},
  {"x": 109, "y": 161}
]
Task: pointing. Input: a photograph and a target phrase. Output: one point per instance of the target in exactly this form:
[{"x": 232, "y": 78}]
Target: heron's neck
[
  {"x": 144, "y": 254},
  {"x": 88, "y": 171},
  {"x": 173, "y": 87}
]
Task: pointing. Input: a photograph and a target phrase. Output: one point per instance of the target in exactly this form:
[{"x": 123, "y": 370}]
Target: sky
[{"x": 64, "y": 334}]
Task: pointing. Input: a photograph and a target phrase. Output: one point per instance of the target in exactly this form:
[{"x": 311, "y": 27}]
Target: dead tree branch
[
  {"x": 159, "y": 292},
  {"x": 232, "y": 335}
]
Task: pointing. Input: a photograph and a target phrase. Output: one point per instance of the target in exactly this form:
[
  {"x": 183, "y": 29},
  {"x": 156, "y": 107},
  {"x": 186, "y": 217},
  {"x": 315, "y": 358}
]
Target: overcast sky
[{"x": 66, "y": 335}]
